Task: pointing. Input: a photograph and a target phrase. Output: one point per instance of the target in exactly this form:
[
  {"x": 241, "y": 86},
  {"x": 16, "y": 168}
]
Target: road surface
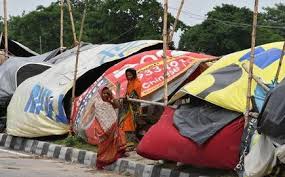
[{"x": 15, "y": 164}]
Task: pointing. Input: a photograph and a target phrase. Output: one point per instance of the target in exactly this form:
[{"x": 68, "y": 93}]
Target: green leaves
[
  {"x": 228, "y": 29},
  {"x": 107, "y": 21}
]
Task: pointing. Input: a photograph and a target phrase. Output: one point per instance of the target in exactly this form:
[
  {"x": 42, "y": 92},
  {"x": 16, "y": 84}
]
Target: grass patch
[{"x": 76, "y": 142}]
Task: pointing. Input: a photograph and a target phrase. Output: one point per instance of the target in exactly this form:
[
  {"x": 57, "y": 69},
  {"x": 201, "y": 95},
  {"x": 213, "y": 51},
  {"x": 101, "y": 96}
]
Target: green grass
[{"x": 76, "y": 142}]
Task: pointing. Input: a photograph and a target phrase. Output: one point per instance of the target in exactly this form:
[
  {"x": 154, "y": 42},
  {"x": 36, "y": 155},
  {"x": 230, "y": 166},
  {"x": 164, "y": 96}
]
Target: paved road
[{"x": 14, "y": 164}]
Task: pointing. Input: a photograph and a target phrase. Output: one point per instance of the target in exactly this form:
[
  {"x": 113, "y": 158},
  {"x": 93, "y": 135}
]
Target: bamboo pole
[
  {"x": 75, "y": 68},
  {"x": 165, "y": 43},
  {"x": 41, "y": 49},
  {"x": 176, "y": 21},
  {"x": 118, "y": 89},
  {"x": 280, "y": 64},
  {"x": 257, "y": 79},
  {"x": 147, "y": 102},
  {"x": 5, "y": 29},
  {"x": 72, "y": 23},
  {"x": 1, "y": 35},
  {"x": 253, "y": 36},
  {"x": 61, "y": 25},
  {"x": 1, "y": 58}
]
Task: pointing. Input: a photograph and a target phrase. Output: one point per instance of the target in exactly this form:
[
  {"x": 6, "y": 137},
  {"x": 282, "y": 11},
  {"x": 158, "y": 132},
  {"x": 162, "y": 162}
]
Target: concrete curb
[{"x": 88, "y": 158}]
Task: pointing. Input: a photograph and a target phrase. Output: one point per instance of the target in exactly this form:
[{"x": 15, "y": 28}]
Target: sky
[{"x": 193, "y": 11}]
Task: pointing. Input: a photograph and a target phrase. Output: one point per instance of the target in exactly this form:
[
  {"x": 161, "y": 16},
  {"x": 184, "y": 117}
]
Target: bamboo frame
[
  {"x": 5, "y": 29},
  {"x": 280, "y": 64},
  {"x": 253, "y": 37},
  {"x": 176, "y": 21},
  {"x": 72, "y": 23},
  {"x": 257, "y": 79},
  {"x": 165, "y": 43},
  {"x": 75, "y": 69},
  {"x": 61, "y": 25}
]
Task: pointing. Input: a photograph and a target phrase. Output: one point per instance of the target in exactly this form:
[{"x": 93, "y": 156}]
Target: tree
[
  {"x": 42, "y": 23},
  {"x": 275, "y": 16},
  {"x": 227, "y": 29},
  {"x": 107, "y": 21}
]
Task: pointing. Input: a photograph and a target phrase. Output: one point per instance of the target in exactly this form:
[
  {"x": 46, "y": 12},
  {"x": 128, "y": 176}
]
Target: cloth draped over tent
[
  {"x": 271, "y": 120},
  {"x": 200, "y": 120}
]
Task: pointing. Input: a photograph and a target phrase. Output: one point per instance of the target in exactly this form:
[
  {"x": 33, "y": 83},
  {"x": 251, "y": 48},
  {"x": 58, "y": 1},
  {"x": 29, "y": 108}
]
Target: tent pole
[
  {"x": 61, "y": 25},
  {"x": 253, "y": 37},
  {"x": 1, "y": 58},
  {"x": 5, "y": 29},
  {"x": 147, "y": 102},
  {"x": 72, "y": 23},
  {"x": 165, "y": 41},
  {"x": 280, "y": 64},
  {"x": 257, "y": 79},
  {"x": 75, "y": 69},
  {"x": 176, "y": 21}
]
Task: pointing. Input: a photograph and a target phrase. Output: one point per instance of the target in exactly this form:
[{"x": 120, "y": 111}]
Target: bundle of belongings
[{"x": 267, "y": 150}]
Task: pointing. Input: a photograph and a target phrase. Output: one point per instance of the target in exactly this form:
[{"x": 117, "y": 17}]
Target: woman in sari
[
  {"x": 112, "y": 142},
  {"x": 130, "y": 111}
]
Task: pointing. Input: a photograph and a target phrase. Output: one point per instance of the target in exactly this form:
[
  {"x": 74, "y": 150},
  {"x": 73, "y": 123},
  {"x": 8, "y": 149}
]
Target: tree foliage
[
  {"x": 228, "y": 29},
  {"x": 275, "y": 16},
  {"x": 107, "y": 21}
]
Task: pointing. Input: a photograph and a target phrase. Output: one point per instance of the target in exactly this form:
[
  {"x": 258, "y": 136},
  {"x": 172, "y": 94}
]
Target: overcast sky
[{"x": 193, "y": 11}]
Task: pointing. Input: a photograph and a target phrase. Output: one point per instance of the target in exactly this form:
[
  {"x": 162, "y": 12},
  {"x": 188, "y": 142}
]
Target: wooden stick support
[
  {"x": 165, "y": 47},
  {"x": 280, "y": 64},
  {"x": 72, "y": 23},
  {"x": 61, "y": 25},
  {"x": 1, "y": 57},
  {"x": 257, "y": 79},
  {"x": 148, "y": 102},
  {"x": 76, "y": 67},
  {"x": 251, "y": 61},
  {"x": 5, "y": 29},
  {"x": 176, "y": 21}
]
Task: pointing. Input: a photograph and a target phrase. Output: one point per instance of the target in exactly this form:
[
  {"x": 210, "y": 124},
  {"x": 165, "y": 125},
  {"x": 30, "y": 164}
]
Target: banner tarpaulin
[{"x": 149, "y": 66}]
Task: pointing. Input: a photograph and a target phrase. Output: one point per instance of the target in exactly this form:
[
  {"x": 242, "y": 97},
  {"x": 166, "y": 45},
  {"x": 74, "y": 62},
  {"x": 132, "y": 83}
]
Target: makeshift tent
[
  {"x": 149, "y": 65},
  {"x": 225, "y": 82},
  {"x": 37, "y": 108},
  {"x": 163, "y": 142},
  {"x": 17, "y": 49},
  {"x": 17, "y": 69}
]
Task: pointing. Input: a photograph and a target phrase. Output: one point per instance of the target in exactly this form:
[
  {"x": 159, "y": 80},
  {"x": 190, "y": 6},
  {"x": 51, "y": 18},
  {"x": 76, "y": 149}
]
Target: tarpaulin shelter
[
  {"x": 225, "y": 82},
  {"x": 17, "y": 49},
  {"x": 17, "y": 69},
  {"x": 37, "y": 106},
  {"x": 149, "y": 66}
]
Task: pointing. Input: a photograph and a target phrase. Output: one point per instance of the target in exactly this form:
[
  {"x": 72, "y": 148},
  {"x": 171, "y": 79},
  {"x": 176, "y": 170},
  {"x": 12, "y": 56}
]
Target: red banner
[{"x": 149, "y": 66}]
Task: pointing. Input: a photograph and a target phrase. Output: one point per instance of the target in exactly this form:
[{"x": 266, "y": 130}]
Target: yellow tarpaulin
[{"x": 225, "y": 82}]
